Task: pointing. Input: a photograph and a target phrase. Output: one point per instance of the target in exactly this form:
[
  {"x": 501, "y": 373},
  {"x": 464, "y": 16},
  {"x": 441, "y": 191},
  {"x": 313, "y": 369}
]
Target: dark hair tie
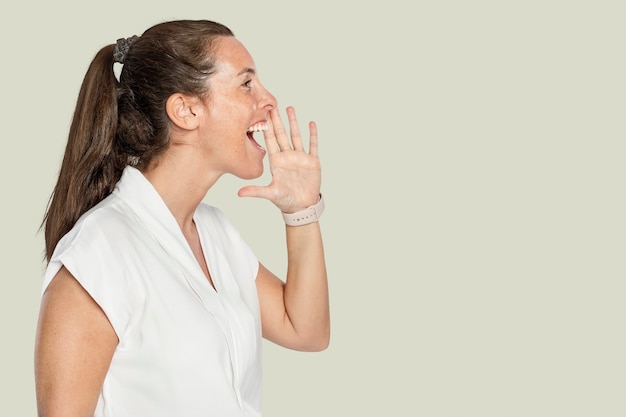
[{"x": 122, "y": 47}]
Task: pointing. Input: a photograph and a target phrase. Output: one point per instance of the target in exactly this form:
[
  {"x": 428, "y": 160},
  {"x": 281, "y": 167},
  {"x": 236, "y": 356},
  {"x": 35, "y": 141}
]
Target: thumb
[{"x": 254, "y": 191}]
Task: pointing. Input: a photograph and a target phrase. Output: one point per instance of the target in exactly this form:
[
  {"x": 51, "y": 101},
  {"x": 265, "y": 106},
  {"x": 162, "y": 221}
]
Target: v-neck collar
[{"x": 141, "y": 196}]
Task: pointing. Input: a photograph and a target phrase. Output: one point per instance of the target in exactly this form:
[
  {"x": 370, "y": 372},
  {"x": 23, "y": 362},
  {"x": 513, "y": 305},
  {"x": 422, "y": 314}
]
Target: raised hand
[{"x": 296, "y": 174}]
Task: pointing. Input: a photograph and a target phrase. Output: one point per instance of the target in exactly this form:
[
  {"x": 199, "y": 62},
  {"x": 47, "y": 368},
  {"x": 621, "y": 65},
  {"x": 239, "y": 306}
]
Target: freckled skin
[{"x": 241, "y": 99}]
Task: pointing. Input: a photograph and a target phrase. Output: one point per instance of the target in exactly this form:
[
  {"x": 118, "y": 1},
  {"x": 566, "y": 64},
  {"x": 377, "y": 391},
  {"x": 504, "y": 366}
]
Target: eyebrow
[{"x": 250, "y": 71}]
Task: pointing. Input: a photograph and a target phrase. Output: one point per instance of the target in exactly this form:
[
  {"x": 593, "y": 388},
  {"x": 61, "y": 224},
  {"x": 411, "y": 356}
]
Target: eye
[{"x": 247, "y": 84}]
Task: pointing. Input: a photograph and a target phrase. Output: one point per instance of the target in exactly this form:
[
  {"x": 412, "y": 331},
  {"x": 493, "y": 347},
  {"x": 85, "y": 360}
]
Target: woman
[{"x": 153, "y": 305}]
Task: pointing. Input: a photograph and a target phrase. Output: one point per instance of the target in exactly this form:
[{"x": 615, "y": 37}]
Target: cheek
[{"x": 243, "y": 109}]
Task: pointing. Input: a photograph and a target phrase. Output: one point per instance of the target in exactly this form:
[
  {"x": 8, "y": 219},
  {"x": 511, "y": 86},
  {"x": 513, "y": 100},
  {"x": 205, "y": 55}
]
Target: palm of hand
[
  {"x": 296, "y": 174},
  {"x": 296, "y": 180}
]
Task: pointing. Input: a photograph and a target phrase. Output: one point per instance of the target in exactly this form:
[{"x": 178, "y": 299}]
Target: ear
[{"x": 184, "y": 110}]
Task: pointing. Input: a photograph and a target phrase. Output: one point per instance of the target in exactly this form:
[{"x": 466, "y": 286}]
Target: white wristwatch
[{"x": 310, "y": 214}]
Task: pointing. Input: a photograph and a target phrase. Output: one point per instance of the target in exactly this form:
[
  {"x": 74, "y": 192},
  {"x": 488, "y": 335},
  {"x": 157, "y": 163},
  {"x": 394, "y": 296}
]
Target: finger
[
  {"x": 270, "y": 139},
  {"x": 313, "y": 144},
  {"x": 279, "y": 130},
  {"x": 255, "y": 191},
  {"x": 296, "y": 139}
]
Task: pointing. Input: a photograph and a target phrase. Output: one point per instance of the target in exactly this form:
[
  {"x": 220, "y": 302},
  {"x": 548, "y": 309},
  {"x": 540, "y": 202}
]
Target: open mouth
[{"x": 257, "y": 127}]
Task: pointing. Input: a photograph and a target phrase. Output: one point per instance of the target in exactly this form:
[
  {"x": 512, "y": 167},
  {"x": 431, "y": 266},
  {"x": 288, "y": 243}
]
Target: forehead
[{"x": 232, "y": 56}]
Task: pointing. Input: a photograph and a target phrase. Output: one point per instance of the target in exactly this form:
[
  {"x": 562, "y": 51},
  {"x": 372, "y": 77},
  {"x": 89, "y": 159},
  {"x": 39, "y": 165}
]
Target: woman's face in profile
[{"x": 237, "y": 106}]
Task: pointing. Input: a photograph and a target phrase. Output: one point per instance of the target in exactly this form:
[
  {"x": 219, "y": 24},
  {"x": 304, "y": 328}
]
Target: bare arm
[
  {"x": 295, "y": 313},
  {"x": 74, "y": 346}
]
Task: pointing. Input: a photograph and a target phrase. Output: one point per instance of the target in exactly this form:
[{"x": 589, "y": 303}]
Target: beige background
[{"x": 473, "y": 157}]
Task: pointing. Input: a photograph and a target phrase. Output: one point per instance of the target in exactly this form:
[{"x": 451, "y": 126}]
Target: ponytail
[{"x": 91, "y": 165}]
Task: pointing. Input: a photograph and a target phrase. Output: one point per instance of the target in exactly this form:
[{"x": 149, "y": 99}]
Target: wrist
[{"x": 310, "y": 214}]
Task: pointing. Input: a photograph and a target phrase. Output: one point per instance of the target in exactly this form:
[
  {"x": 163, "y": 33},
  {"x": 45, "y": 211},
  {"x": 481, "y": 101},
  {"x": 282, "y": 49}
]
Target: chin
[{"x": 251, "y": 175}]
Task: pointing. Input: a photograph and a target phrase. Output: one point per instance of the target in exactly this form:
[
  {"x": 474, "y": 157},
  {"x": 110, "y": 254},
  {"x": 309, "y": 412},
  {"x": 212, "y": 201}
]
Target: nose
[{"x": 267, "y": 101}]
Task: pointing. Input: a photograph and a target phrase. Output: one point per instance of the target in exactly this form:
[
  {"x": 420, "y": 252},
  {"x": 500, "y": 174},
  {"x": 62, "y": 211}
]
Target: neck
[{"x": 182, "y": 183}]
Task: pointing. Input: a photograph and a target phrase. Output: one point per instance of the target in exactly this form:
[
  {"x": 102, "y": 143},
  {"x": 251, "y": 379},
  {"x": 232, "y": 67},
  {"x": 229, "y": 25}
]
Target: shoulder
[
  {"x": 103, "y": 225},
  {"x": 94, "y": 253},
  {"x": 103, "y": 233}
]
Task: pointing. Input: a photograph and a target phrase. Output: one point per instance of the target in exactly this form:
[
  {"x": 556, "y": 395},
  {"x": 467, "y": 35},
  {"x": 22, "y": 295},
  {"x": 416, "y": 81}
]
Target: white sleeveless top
[{"x": 185, "y": 349}]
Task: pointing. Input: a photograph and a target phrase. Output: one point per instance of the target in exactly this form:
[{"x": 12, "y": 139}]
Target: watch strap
[{"x": 310, "y": 214}]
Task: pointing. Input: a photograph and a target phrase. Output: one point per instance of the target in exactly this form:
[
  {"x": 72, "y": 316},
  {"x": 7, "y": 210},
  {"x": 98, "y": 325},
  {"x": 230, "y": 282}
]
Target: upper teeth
[{"x": 258, "y": 127}]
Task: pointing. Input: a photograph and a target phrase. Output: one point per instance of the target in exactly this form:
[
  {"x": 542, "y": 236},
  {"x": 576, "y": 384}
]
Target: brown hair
[{"x": 115, "y": 124}]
